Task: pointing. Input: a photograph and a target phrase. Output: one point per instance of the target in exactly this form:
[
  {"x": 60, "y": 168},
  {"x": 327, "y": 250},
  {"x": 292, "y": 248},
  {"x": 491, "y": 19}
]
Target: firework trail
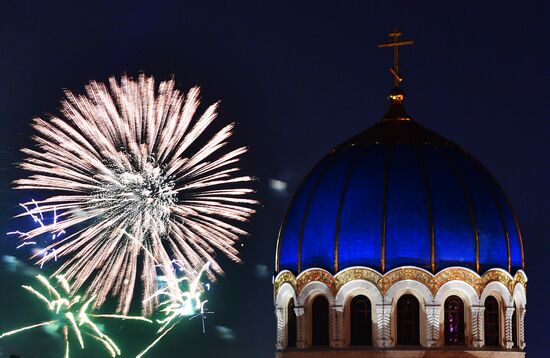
[
  {"x": 49, "y": 225},
  {"x": 126, "y": 167},
  {"x": 180, "y": 298},
  {"x": 72, "y": 315}
]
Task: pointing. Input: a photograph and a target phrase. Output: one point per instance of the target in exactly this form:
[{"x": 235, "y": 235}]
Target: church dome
[{"x": 396, "y": 195}]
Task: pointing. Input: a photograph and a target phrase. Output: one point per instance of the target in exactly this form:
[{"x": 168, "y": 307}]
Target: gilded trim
[
  {"x": 384, "y": 281},
  {"x": 313, "y": 275},
  {"x": 284, "y": 277}
]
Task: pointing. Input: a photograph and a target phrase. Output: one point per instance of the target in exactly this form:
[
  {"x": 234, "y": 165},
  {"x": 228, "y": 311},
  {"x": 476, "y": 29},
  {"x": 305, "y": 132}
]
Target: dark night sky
[{"x": 298, "y": 79}]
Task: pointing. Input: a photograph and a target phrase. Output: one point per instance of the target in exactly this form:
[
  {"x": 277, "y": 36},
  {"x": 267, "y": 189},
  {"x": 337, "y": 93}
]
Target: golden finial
[{"x": 396, "y": 44}]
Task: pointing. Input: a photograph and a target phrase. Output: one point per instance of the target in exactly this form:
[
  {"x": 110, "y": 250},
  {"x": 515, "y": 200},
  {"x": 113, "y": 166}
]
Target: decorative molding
[
  {"x": 508, "y": 327},
  {"x": 384, "y": 282},
  {"x": 281, "y": 329},
  {"x": 384, "y": 328},
  {"x": 284, "y": 277},
  {"x": 521, "y": 330},
  {"x": 356, "y": 273},
  {"x": 478, "y": 327},
  {"x": 318, "y": 275},
  {"x": 432, "y": 325},
  {"x": 337, "y": 326}
]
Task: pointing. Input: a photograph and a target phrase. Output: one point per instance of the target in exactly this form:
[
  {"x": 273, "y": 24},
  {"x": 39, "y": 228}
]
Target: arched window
[
  {"x": 491, "y": 318},
  {"x": 319, "y": 321},
  {"x": 291, "y": 325},
  {"x": 408, "y": 321},
  {"x": 360, "y": 321},
  {"x": 454, "y": 321},
  {"x": 515, "y": 327}
]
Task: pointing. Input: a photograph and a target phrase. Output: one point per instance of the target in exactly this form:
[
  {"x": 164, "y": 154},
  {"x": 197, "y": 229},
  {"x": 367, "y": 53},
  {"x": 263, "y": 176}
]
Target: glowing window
[{"x": 454, "y": 321}]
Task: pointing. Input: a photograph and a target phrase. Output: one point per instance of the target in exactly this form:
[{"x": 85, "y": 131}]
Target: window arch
[
  {"x": 319, "y": 321},
  {"x": 408, "y": 320},
  {"x": 360, "y": 321},
  {"x": 291, "y": 330},
  {"x": 491, "y": 318},
  {"x": 454, "y": 321}
]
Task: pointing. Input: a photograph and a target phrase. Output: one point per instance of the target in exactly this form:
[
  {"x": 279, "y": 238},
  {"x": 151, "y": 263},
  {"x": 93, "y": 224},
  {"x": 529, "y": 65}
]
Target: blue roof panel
[
  {"x": 320, "y": 221},
  {"x": 359, "y": 239},
  {"x": 290, "y": 232},
  {"x": 493, "y": 250},
  {"x": 453, "y": 229},
  {"x": 407, "y": 219}
]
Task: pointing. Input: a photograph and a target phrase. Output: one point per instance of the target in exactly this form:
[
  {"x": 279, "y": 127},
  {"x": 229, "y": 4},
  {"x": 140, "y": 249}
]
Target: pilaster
[
  {"x": 521, "y": 328},
  {"x": 478, "y": 332},
  {"x": 301, "y": 327},
  {"x": 337, "y": 326},
  {"x": 281, "y": 329},
  {"x": 432, "y": 325},
  {"x": 509, "y": 343},
  {"x": 384, "y": 329}
]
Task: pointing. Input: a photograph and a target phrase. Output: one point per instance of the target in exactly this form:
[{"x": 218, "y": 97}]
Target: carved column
[
  {"x": 508, "y": 327},
  {"x": 478, "y": 331},
  {"x": 384, "y": 329},
  {"x": 521, "y": 328},
  {"x": 337, "y": 326},
  {"x": 281, "y": 329},
  {"x": 301, "y": 327},
  {"x": 432, "y": 325}
]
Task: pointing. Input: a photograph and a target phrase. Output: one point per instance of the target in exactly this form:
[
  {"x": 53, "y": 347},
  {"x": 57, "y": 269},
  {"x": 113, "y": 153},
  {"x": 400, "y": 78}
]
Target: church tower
[{"x": 399, "y": 243}]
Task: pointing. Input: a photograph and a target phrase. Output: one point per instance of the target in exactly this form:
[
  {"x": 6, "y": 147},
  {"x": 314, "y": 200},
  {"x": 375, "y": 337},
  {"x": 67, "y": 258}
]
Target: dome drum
[{"x": 384, "y": 293}]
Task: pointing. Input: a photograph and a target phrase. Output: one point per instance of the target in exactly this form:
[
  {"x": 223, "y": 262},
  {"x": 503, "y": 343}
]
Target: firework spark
[
  {"x": 125, "y": 160},
  {"x": 72, "y": 315},
  {"x": 180, "y": 298},
  {"x": 50, "y": 226}
]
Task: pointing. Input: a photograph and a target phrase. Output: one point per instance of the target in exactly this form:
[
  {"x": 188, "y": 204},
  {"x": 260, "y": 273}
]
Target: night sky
[{"x": 298, "y": 78}]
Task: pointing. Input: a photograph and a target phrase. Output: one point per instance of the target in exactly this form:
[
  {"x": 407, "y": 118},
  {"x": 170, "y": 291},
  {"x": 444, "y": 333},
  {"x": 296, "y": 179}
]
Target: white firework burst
[{"x": 124, "y": 167}]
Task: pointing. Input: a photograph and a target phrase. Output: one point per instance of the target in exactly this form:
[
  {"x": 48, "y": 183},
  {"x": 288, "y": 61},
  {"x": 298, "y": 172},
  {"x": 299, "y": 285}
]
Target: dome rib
[
  {"x": 308, "y": 205},
  {"x": 351, "y": 170},
  {"x": 502, "y": 203},
  {"x": 427, "y": 188},
  {"x": 471, "y": 209}
]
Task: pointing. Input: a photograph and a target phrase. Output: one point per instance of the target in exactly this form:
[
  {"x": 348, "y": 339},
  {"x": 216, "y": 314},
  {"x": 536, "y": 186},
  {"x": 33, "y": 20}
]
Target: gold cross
[{"x": 396, "y": 44}]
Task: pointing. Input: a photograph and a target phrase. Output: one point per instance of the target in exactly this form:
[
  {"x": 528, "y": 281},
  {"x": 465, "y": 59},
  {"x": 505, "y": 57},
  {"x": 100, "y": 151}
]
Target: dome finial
[
  {"x": 396, "y": 95},
  {"x": 397, "y": 78}
]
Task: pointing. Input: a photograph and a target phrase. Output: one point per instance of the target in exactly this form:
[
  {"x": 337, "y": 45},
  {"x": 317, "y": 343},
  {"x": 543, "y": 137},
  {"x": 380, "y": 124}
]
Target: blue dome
[{"x": 397, "y": 195}]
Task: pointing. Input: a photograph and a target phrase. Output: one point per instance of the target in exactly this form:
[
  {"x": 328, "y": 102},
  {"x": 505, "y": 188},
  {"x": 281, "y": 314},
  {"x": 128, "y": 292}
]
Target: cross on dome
[{"x": 396, "y": 44}]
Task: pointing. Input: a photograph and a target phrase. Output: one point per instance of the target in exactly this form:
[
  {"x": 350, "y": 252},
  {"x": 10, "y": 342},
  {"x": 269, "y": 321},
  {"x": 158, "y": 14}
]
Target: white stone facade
[{"x": 383, "y": 307}]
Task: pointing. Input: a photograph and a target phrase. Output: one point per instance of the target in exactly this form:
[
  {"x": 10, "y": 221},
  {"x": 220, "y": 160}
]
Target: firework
[
  {"x": 180, "y": 298},
  {"x": 72, "y": 315},
  {"x": 128, "y": 171},
  {"x": 51, "y": 226}
]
